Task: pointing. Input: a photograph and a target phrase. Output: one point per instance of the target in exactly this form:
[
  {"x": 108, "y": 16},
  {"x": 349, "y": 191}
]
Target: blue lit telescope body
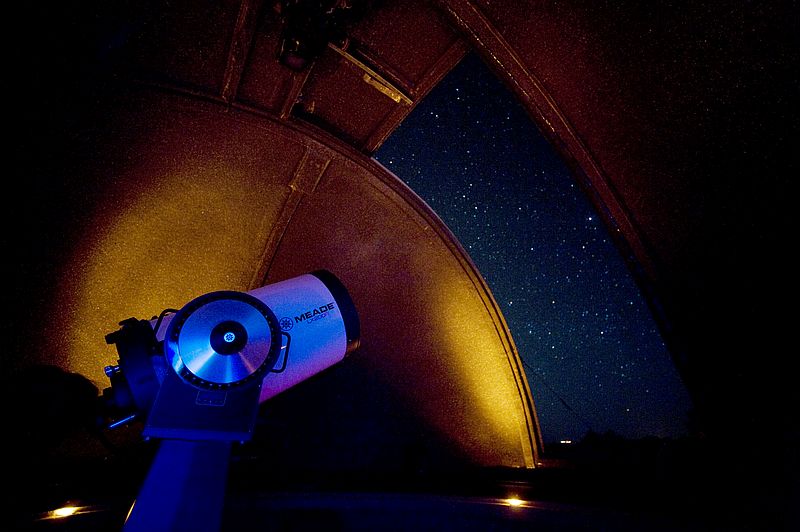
[
  {"x": 197, "y": 376},
  {"x": 301, "y": 326},
  {"x": 228, "y": 351},
  {"x": 318, "y": 313}
]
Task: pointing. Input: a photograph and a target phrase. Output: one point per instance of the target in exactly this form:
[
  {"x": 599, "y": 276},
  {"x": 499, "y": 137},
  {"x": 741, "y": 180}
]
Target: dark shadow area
[
  {"x": 604, "y": 481},
  {"x": 62, "y": 457},
  {"x": 694, "y": 479},
  {"x": 58, "y": 453}
]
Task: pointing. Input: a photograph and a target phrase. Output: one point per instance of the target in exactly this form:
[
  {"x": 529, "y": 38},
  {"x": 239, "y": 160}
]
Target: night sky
[{"x": 593, "y": 355}]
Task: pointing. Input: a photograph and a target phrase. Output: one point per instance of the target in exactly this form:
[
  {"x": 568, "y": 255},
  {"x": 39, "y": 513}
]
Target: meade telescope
[{"x": 197, "y": 375}]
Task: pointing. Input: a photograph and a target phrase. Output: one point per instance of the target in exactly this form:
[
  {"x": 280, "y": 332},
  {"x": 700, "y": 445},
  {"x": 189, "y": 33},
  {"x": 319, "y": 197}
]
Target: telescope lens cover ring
[{"x": 222, "y": 340}]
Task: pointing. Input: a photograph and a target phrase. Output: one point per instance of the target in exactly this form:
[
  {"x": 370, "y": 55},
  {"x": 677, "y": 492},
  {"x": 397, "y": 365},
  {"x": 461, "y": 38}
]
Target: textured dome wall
[{"x": 177, "y": 196}]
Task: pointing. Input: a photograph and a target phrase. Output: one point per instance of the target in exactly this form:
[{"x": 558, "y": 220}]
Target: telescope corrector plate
[{"x": 189, "y": 342}]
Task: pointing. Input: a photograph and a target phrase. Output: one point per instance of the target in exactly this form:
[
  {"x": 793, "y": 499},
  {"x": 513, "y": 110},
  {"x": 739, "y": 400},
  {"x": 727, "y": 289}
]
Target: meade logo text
[{"x": 319, "y": 311}]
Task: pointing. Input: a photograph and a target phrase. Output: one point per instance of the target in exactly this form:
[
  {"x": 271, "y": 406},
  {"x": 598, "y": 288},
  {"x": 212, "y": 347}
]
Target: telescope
[{"x": 196, "y": 377}]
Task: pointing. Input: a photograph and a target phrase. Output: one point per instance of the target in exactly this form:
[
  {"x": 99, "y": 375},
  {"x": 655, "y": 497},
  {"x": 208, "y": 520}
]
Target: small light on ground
[{"x": 65, "y": 511}]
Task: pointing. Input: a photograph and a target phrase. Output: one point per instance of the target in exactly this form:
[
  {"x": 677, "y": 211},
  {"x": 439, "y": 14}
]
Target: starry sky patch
[{"x": 594, "y": 358}]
